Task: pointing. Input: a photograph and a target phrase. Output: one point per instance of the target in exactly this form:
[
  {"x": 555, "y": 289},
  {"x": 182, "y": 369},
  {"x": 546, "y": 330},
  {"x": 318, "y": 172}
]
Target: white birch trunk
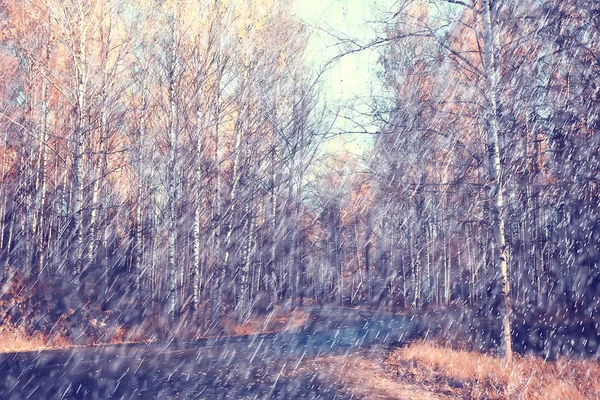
[
  {"x": 217, "y": 299},
  {"x": 497, "y": 209},
  {"x": 238, "y": 149},
  {"x": 171, "y": 300},
  {"x": 41, "y": 242},
  {"x": 138, "y": 239},
  {"x": 80, "y": 59},
  {"x": 196, "y": 271}
]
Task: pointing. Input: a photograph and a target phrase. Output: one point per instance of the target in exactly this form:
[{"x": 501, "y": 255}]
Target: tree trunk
[
  {"x": 78, "y": 167},
  {"x": 196, "y": 271},
  {"x": 497, "y": 208},
  {"x": 41, "y": 243},
  {"x": 171, "y": 298},
  {"x": 217, "y": 214}
]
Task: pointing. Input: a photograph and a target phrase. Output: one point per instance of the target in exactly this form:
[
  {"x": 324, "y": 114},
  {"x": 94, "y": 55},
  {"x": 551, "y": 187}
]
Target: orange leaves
[{"x": 419, "y": 10}]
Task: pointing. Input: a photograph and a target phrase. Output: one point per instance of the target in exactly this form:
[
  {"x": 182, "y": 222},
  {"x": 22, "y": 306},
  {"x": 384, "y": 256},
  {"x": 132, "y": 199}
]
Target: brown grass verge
[
  {"x": 278, "y": 320},
  {"x": 468, "y": 374},
  {"x": 15, "y": 340},
  {"x": 363, "y": 376}
]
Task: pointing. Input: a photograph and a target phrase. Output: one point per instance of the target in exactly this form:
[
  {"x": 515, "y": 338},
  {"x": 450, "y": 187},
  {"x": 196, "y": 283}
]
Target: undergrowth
[{"x": 469, "y": 374}]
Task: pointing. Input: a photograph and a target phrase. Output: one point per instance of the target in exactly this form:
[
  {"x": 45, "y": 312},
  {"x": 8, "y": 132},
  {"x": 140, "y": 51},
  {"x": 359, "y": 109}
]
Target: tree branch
[
  {"x": 459, "y": 2},
  {"x": 27, "y": 131}
]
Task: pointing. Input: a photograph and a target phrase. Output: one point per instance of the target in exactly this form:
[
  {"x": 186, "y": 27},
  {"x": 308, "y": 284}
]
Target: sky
[
  {"x": 352, "y": 74},
  {"x": 354, "y": 77}
]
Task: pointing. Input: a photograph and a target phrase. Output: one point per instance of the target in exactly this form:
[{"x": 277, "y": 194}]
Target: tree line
[
  {"x": 486, "y": 166},
  {"x": 154, "y": 153}
]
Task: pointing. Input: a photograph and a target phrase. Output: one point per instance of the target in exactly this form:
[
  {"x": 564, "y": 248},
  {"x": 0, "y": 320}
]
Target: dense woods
[
  {"x": 164, "y": 160},
  {"x": 154, "y": 153},
  {"x": 489, "y": 161}
]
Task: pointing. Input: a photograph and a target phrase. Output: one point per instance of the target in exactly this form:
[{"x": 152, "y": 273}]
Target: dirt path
[{"x": 363, "y": 376}]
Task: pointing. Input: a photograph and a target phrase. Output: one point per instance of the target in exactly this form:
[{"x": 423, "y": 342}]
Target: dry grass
[
  {"x": 467, "y": 374},
  {"x": 362, "y": 375},
  {"x": 14, "y": 340},
  {"x": 278, "y": 320}
]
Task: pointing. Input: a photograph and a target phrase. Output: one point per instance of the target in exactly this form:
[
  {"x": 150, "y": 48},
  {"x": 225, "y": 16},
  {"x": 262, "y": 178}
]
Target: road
[{"x": 248, "y": 367}]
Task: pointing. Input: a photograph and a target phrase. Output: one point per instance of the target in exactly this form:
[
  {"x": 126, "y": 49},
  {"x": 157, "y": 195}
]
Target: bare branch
[{"x": 28, "y": 132}]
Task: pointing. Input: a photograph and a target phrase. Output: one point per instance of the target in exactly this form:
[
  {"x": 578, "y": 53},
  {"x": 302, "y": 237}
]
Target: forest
[{"x": 162, "y": 165}]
